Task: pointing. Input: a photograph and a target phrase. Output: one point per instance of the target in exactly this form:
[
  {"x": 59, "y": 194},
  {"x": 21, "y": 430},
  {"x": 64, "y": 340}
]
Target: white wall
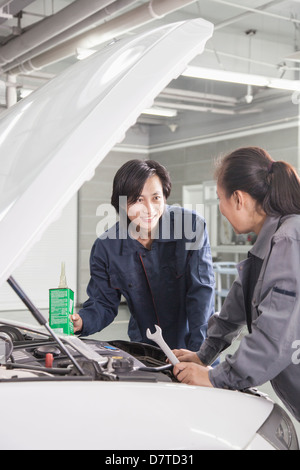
[
  {"x": 195, "y": 164},
  {"x": 41, "y": 269}
]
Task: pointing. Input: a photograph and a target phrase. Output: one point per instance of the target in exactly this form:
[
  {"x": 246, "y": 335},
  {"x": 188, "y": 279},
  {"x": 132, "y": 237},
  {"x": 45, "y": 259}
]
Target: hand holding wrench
[{"x": 158, "y": 339}]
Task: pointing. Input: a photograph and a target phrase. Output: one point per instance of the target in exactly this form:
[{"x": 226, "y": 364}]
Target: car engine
[{"x": 27, "y": 355}]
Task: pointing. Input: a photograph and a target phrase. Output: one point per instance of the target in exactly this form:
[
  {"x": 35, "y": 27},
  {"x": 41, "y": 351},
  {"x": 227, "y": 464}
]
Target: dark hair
[
  {"x": 131, "y": 177},
  {"x": 275, "y": 185}
]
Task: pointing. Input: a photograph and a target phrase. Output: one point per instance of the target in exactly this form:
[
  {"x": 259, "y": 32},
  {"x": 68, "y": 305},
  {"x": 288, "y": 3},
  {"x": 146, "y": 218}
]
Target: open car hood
[{"x": 52, "y": 141}]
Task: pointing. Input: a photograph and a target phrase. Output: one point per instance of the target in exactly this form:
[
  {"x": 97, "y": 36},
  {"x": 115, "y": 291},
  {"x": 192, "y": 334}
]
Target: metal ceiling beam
[
  {"x": 15, "y": 6},
  {"x": 259, "y": 10},
  {"x": 243, "y": 59},
  {"x": 3, "y": 3}
]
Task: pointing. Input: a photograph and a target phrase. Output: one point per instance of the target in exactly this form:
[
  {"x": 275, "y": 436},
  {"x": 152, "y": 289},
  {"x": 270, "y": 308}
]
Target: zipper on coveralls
[{"x": 155, "y": 309}]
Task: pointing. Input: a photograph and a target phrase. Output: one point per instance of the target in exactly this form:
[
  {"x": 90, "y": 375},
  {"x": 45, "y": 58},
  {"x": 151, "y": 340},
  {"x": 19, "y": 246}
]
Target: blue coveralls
[{"x": 171, "y": 285}]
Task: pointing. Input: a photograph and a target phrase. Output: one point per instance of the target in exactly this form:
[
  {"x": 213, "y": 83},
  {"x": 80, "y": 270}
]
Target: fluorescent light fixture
[
  {"x": 82, "y": 53},
  {"x": 5, "y": 14},
  {"x": 24, "y": 92},
  {"x": 241, "y": 78},
  {"x": 165, "y": 112},
  {"x": 294, "y": 57}
]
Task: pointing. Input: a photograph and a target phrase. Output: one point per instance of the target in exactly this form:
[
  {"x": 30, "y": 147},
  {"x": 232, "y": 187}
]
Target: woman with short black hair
[
  {"x": 257, "y": 194},
  {"x": 157, "y": 256}
]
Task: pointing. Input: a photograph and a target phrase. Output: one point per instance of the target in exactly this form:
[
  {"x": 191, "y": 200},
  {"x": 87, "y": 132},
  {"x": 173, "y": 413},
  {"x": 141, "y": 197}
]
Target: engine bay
[{"x": 26, "y": 355}]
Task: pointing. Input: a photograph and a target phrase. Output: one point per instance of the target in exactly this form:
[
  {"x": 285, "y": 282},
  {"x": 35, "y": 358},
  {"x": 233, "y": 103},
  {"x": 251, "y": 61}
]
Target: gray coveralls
[{"x": 271, "y": 352}]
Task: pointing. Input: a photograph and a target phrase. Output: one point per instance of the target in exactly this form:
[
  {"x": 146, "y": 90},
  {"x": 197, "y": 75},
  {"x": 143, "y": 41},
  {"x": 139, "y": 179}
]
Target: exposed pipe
[
  {"x": 49, "y": 27},
  {"x": 197, "y": 108},
  {"x": 90, "y": 22},
  {"x": 244, "y": 59},
  {"x": 120, "y": 25},
  {"x": 11, "y": 90},
  {"x": 196, "y": 96}
]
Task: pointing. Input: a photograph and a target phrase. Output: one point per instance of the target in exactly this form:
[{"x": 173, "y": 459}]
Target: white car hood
[
  {"x": 52, "y": 141},
  {"x": 124, "y": 416}
]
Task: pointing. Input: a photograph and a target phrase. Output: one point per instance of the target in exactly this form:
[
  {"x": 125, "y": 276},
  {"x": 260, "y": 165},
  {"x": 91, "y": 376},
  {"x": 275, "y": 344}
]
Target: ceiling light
[
  {"x": 165, "y": 112},
  {"x": 294, "y": 57},
  {"x": 241, "y": 78},
  {"x": 24, "y": 92},
  {"x": 5, "y": 15},
  {"x": 82, "y": 53}
]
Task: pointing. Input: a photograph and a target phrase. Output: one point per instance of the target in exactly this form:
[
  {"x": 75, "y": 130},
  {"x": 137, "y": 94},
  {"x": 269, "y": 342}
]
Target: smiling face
[{"x": 147, "y": 210}]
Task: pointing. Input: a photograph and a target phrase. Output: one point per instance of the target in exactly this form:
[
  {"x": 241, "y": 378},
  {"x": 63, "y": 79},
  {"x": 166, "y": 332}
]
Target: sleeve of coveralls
[
  {"x": 102, "y": 305},
  {"x": 224, "y": 326}
]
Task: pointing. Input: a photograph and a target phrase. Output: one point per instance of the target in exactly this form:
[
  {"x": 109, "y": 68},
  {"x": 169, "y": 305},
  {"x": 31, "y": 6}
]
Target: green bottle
[{"x": 61, "y": 306}]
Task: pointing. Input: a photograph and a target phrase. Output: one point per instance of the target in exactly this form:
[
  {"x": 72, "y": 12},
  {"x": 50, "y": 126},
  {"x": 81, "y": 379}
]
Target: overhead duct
[
  {"x": 49, "y": 27},
  {"x": 133, "y": 19},
  {"x": 70, "y": 32}
]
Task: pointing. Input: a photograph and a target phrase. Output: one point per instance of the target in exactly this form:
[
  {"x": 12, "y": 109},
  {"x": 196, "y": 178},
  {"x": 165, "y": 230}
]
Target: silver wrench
[{"x": 158, "y": 339}]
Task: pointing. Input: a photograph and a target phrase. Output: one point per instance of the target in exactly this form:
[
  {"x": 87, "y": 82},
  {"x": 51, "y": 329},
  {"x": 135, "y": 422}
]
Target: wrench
[{"x": 158, "y": 339}]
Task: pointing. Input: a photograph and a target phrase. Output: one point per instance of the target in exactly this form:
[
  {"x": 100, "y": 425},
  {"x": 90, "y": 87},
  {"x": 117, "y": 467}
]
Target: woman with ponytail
[{"x": 257, "y": 194}]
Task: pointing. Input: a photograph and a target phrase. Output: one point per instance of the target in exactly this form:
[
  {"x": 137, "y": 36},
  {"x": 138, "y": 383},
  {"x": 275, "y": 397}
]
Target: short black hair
[{"x": 131, "y": 177}]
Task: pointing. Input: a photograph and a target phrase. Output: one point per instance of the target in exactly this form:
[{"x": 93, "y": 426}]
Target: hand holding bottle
[{"x": 77, "y": 322}]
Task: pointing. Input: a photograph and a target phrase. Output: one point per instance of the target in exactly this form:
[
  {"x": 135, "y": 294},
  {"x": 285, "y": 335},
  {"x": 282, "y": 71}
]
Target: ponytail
[{"x": 275, "y": 185}]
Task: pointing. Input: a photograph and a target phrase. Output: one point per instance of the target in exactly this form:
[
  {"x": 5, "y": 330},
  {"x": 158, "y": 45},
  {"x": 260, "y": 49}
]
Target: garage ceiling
[{"x": 41, "y": 38}]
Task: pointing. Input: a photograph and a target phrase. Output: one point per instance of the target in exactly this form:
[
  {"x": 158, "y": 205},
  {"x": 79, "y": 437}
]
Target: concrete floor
[{"x": 118, "y": 330}]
